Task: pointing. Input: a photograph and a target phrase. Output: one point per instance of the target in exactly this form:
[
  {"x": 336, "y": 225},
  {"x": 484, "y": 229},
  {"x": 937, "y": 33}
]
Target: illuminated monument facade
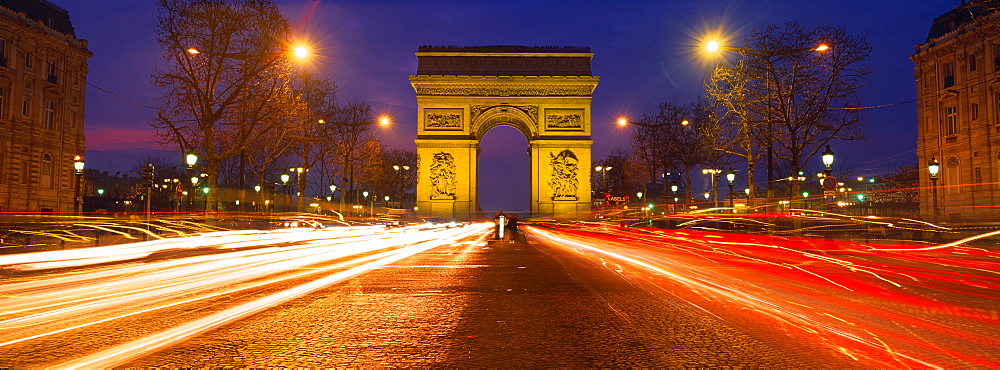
[{"x": 543, "y": 92}]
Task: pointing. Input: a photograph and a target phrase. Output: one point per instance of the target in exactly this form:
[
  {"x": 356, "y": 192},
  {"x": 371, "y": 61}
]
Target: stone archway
[{"x": 463, "y": 92}]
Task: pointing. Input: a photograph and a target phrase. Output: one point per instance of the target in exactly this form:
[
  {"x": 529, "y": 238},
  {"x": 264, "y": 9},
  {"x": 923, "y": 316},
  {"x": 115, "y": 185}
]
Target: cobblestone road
[{"x": 474, "y": 305}]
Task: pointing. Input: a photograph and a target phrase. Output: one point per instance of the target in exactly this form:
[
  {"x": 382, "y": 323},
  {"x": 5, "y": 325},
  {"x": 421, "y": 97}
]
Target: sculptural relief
[
  {"x": 564, "y": 178},
  {"x": 564, "y": 119},
  {"x": 443, "y": 118},
  {"x": 442, "y": 175}
]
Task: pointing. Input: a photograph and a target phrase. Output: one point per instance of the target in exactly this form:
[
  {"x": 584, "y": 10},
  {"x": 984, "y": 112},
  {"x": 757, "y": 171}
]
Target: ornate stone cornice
[
  {"x": 436, "y": 85},
  {"x": 504, "y": 90}
]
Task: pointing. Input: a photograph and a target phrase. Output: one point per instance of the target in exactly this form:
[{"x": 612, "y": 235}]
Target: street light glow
[
  {"x": 622, "y": 121},
  {"x": 384, "y": 121},
  {"x": 712, "y": 46},
  {"x": 822, "y": 47},
  {"x": 193, "y": 51},
  {"x": 301, "y": 52}
]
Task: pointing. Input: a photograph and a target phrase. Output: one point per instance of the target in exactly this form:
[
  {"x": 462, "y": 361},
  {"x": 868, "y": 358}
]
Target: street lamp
[
  {"x": 625, "y": 122},
  {"x": 828, "y": 160},
  {"x": 731, "y": 176},
  {"x": 639, "y": 195},
  {"x": 673, "y": 191},
  {"x": 712, "y": 172},
  {"x": 604, "y": 172},
  {"x": 370, "y": 202},
  {"x": 399, "y": 177},
  {"x": 933, "y": 167},
  {"x": 77, "y": 197}
]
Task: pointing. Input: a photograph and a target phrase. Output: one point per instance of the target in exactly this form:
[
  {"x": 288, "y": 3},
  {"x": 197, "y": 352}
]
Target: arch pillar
[{"x": 560, "y": 178}]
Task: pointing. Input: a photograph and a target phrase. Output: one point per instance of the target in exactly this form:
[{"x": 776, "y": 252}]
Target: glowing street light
[
  {"x": 828, "y": 160},
  {"x": 622, "y": 121}
]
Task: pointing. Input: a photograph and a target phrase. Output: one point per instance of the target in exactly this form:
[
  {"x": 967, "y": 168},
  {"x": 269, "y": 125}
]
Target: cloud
[{"x": 121, "y": 138}]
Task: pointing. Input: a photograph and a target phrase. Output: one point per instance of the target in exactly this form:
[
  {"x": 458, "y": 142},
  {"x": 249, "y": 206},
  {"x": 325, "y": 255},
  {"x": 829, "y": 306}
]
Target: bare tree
[
  {"x": 790, "y": 99},
  {"x": 664, "y": 144},
  {"x": 351, "y": 130},
  {"x": 214, "y": 99},
  {"x": 311, "y": 136}
]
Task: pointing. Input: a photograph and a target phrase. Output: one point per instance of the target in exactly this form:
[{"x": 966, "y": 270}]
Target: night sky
[{"x": 646, "y": 52}]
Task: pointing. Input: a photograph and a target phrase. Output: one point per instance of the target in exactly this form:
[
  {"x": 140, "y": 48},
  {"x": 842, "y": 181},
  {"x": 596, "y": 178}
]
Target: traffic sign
[{"x": 829, "y": 183}]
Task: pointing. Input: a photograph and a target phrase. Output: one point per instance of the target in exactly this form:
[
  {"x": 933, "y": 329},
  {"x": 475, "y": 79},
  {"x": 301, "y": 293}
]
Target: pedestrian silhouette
[{"x": 512, "y": 226}]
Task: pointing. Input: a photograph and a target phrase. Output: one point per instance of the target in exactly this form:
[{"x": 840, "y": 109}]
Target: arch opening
[{"x": 504, "y": 172}]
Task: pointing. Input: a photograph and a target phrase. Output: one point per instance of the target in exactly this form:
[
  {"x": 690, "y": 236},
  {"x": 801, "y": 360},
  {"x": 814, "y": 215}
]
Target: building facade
[
  {"x": 957, "y": 73},
  {"x": 43, "y": 72}
]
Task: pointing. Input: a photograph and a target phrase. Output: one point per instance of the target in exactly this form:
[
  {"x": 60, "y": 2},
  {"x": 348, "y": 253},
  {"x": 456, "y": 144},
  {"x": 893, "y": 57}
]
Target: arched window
[
  {"x": 46, "y": 179},
  {"x": 952, "y": 176}
]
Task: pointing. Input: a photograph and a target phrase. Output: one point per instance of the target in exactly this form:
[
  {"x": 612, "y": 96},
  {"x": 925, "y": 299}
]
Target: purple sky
[{"x": 644, "y": 52}]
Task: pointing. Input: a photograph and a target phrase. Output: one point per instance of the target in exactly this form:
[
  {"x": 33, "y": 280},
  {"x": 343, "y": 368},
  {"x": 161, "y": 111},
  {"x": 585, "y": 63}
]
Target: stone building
[
  {"x": 957, "y": 72},
  {"x": 43, "y": 71}
]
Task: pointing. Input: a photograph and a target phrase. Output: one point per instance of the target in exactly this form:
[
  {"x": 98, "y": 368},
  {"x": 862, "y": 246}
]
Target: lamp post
[
  {"x": 386, "y": 204},
  {"x": 77, "y": 196},
  {"x": 604, "y": 172},
  {"x": 639, "y": 195},
  {"x": 673, "y": 191},
  {"x": 731, "y": 176},
  {"x": 191, "y": 195},
  {"x": 712, "y": 172},
  {"x": 257, "y": 188},
  {"x": 399, "y": 180},
  {"x": 365, "y": 194},
  {"x": 190, "y": 160},
  {"x": 933, "y": 167}
]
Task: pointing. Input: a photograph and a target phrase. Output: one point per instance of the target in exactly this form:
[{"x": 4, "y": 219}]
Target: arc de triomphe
[{"x": 463, "y": 92}]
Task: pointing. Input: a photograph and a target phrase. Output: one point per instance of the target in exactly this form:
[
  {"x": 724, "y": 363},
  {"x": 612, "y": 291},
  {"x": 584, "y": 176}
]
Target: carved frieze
[
  {"x": 503, "y": 90},
  {"x": 443, "y": 119},
  {"x": 564, "y": 177},
  {"x": 564, "y": 119},
  {"x": 442, "y": 175},
  {"x": 530, "y": 110}
]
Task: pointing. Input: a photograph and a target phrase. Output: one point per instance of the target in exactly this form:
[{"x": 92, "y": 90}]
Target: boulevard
[{"x": 558, "y": 294}]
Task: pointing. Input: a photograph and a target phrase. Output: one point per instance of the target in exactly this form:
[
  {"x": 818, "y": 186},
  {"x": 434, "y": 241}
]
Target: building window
[
  {"x": 973, "y": 63},
  {"x": 3, "y": 53},
  {"x": 52, "y": 71},
  {"x": 996, "y": 108},
  {"x": 951, "y": 120},
  {"x": 46, "y": 171},
  {"x": 975, "y": 111},
  {"x": 2, "y": 111},
  {"x": 978, "y": 173},
  {"x": 26, "y": 107},
  {"x": 50, "y": 114},
  {"x": 27, "y": 60},
  {"x": 949, "y": 74},
  {"x": 952, "y": 176}
]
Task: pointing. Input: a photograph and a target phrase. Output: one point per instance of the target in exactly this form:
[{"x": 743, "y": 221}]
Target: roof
[
  {"x": 48, "y": 13},
  {"x": 965, "y": 13}
]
